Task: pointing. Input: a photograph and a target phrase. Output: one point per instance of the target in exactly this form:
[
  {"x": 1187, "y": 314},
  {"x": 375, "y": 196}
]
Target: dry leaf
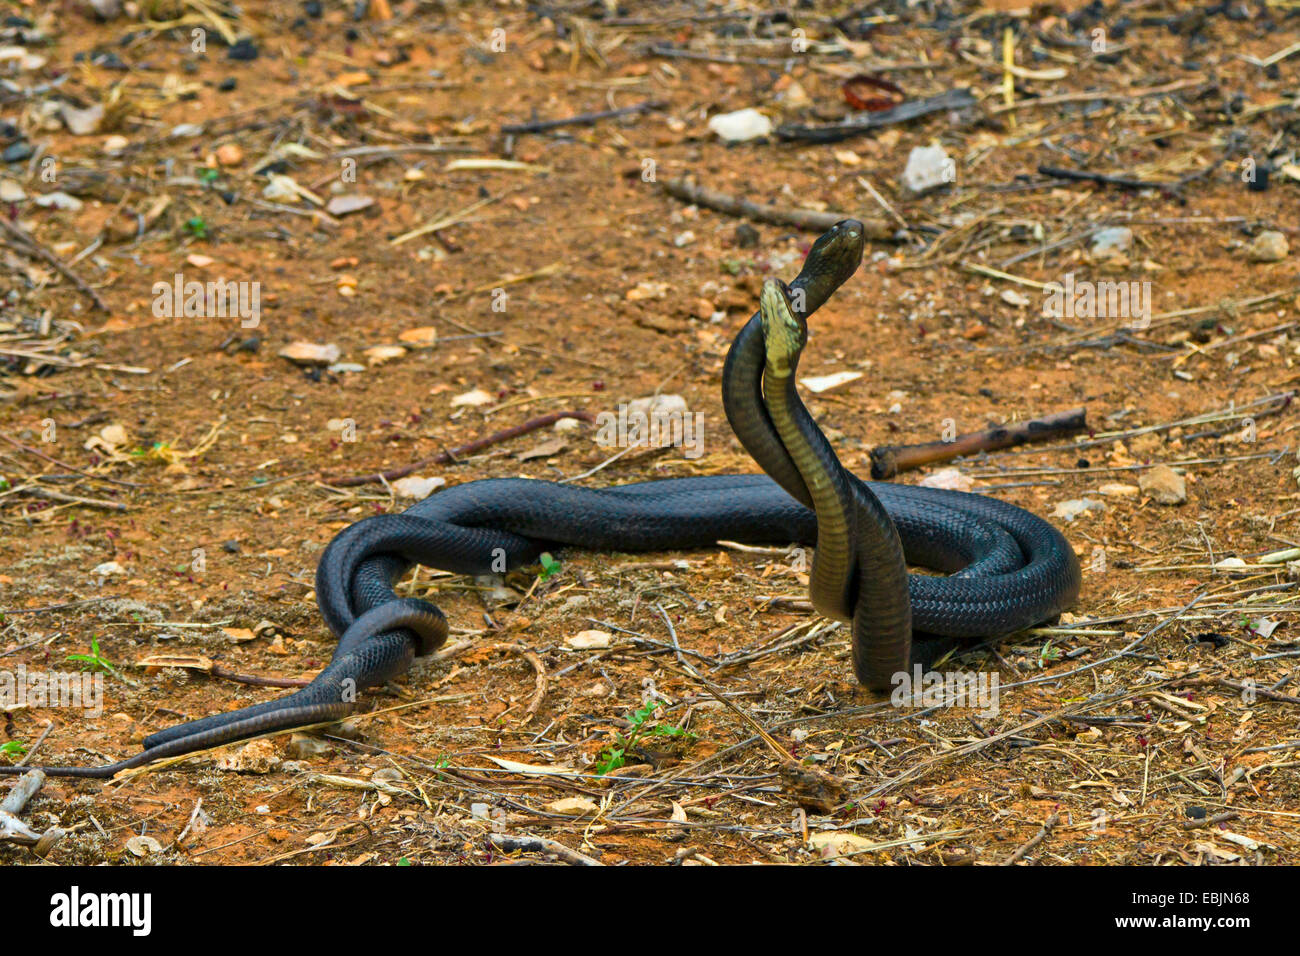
[
  {"x": 574, "y": 806},
  {"x": 379, "y": 354},
  {"x": 143, "y": 845},
  {"x": 589, "y": 640},
  {"x": 824, "y": 383},
  {"x": 416, "y": 487},
  {"x": 838, "y": 843},
  {"x": 545, "y": 450},
  {"x": 195, "y": 662},
  {"x": 310, "y": 353},
  {"x": 532, "y": 770},
  {"x": 425, "y": 336},
  {"x": 475, "y": 398}
]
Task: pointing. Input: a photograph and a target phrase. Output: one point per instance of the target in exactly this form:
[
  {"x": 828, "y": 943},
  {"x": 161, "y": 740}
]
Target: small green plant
[
  {"x": 197, "y": 227},
  {"x": 549, "y": 565},
  {"x": 157, "y": 450},
  {"x": 14, "y": 748},
  {"x": 94, "y": 661},
  {"x": 615, "y": 757},
  {"x": 1047, "y": 655},
  {"x": 663, "y": 730}
]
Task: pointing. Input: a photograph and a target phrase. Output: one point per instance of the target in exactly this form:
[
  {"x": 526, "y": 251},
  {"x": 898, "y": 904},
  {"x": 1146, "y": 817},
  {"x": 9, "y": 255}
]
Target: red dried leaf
[{"x": 858, "y": 93}]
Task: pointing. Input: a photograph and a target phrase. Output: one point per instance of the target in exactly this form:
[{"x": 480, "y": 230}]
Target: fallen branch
[
  {"x": 1210, "y": 821},
  {"x": 24, "y": 242},
  {"x": 958, "y": 99},
  {"x": 1105, "y": 179},
  {"x": 808, "y": 219},
  {"x": 1089, "y": 96},
  {"x": 677, "y": 53},
  {"x": 31, "y": 751},
  {"x": 13, "y": 830},
  {"x": 1038, "y": 838},
  {"x": 536, "y": 844},
  {"x": 443, "y": 222},
  {"x": 205, "y": 665},
  {"x": 888, "y": 460},
  {"x": 1258, "y": 691},
  {"x": 255, "y": 681},
  {"x": 582, "y": 119},
  {"x": 448, "y": 457},
  {"x": 23, "y": 791},
  {"x": 63, "y": 464},
  {"x": 531, "y": 656},
  {"x": 49, "y": 494}
]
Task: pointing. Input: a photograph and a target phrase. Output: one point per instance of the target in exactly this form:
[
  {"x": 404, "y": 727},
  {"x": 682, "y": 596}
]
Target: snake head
[
  {"x": 784, "y": 331},
  {"x": 836, "y": 254}
]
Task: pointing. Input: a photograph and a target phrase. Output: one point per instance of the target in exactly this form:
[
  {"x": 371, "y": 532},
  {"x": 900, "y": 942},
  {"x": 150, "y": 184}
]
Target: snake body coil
[{"x": 1007, "y": 569}]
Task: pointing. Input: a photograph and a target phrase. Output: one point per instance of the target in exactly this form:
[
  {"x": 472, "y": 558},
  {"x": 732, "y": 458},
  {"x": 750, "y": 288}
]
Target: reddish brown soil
[{"x": 934, "y": 340}]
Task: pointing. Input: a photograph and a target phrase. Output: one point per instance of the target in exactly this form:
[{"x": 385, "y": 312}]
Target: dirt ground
[{"x": 168, "y": 477}]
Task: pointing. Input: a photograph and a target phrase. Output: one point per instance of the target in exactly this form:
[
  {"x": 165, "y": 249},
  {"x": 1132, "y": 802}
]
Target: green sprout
[
  {"x": 549, "y": 565},
  {"x": 1048, "y": 654},
  {"x": 14, "y": 748},
  {"x": 615, "y": 757},
  {"x": 157, "y": 450},
  {"x": 94, "y": 661},
  {"x": 197, "y": 227}
]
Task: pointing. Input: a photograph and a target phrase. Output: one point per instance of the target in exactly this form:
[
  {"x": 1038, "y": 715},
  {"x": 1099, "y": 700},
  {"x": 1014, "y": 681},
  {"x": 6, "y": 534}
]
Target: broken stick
[
  {"x": 1104, "y": 179},
  {"x": 809, "y": 219},
  {"x": 908, "y": 110},
  {"x": 888, "y": 460},
  {"x": 582, "y": 119},
  {"x": 26, "y": 243},
  {"x": 13, "y": 830},
  {"x": 448, "y": 457}
]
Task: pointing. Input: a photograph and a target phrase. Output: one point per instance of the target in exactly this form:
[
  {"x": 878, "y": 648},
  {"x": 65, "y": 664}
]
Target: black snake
[{"x": 1006, "y": 568}]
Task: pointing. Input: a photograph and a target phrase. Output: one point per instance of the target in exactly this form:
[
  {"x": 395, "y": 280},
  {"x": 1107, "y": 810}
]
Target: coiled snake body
[{"x": 1007, "y": 569}]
